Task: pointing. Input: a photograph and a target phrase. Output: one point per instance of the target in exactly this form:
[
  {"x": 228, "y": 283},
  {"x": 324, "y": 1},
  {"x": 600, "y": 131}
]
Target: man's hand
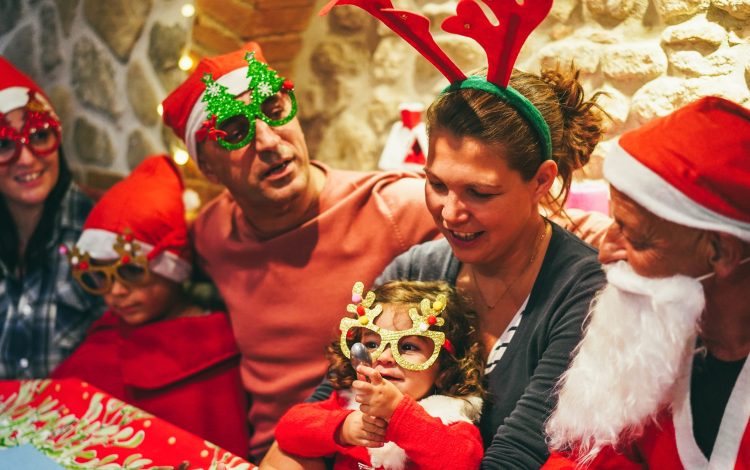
[
  {"x": 359, "y": 429},
  {"x": 378, "y": 397}
]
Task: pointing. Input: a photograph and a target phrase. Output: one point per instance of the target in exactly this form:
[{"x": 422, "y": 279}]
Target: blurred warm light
[
  {"x": 185, "y": 63},
  {"x": 187, "y": 10},
  {"x": 160, "y": 109},
  {"x": 180, "y": 156}
]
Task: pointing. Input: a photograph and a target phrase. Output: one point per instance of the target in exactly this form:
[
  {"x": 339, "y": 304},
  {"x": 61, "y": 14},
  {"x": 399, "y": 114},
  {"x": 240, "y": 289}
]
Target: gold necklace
[{"x": 472, "y": 274}]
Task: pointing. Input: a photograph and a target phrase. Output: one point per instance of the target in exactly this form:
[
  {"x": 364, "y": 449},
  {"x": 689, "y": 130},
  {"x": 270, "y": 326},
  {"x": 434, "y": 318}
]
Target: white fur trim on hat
[
  {"x": 100, "y": 244},
  {"x": 651, "y": 191},
  {"x": 236, "y": 83},
  {"x": 13, "y": 97}
]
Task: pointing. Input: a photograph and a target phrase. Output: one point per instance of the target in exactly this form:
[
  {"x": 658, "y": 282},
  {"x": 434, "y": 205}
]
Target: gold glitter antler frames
[
  {"x": 128, "y": 248},
  {"x": 422, "y": 319},
  {"x": 130, "y": 267},
  {"x": 430, "y": 313},
  {"x": 361, "y": 307}
]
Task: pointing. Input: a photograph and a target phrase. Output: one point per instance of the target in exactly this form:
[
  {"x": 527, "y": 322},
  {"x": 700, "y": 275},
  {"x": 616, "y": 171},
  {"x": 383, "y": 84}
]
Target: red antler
[
  {"x": 414, "y": 28},
  {"x": 501, "y": 43}
]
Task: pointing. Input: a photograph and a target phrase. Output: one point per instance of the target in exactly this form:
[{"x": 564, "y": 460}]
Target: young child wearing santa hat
[{"x": 154, "y": 348}]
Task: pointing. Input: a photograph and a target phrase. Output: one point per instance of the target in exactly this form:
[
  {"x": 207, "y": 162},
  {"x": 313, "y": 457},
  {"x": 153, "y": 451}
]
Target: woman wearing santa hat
[{"x": 43, "y": 313}]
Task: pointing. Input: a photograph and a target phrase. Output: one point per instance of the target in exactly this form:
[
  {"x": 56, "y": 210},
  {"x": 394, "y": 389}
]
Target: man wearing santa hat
[
  {"x": 661, "y": 378},
  {"x": 287, "y": 231}
]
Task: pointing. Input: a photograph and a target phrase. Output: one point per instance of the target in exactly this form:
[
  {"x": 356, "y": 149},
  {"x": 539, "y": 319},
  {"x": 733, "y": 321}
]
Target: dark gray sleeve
[
  {"x": 322, "y": 392},
  {"x": 520, "y": 442},
  {"x": 429, "y": 261},
  {"x": 396, "y": 269}
]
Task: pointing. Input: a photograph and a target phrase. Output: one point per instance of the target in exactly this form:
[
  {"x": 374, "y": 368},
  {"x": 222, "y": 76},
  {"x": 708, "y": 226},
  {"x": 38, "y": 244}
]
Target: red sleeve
[
  {"x": 431, "y": 444},
  {"x": 309, "y": 429},
  {"x": 607, "y": 459}
]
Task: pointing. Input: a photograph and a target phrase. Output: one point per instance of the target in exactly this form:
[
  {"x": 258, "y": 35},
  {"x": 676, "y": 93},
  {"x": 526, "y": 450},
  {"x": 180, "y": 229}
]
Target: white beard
[{"x": 641, "y": 333}]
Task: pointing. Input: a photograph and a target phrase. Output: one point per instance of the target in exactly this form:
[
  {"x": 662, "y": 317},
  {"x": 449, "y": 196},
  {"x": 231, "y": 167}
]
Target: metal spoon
[{"x": 360, "y": 355}]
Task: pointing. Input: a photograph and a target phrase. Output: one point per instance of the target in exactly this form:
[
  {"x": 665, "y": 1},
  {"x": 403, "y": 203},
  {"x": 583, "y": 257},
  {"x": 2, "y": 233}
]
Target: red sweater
[
  {"x": 183, "y": 370},
  {"x": 286, "y": 295},
  {"x": 309, "y": 430}
]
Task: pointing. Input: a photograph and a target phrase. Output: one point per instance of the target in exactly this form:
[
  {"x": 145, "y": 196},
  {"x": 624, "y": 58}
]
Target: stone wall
[
  {"x": 649, "y": 56},
  {"x": 107, "y": 64}
]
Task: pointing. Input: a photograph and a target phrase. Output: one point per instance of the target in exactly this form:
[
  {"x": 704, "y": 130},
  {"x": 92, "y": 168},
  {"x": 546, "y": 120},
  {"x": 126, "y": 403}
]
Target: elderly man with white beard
[{"x": 661, "y": 378}]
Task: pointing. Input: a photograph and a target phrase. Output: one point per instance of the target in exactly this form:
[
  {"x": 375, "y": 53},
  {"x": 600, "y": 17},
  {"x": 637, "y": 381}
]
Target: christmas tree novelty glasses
[
  {"x": 231, "y": 122},
  {"x": 416, "y": 348},
  {"x": 40, "y": 133},
  {"x": 98, "y": 276}
]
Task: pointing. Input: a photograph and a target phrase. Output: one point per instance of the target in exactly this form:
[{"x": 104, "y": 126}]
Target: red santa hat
[
  {"x": 148, "y": 204},
  {"x": 16, "y": 89},
  {"x": 184, "y": 110},
  {"x": 691, "y": 167}
]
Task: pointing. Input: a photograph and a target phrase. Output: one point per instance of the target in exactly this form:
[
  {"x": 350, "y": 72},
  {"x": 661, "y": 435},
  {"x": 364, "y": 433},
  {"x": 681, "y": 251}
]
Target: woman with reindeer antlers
[{"x": 496, "y": 145}]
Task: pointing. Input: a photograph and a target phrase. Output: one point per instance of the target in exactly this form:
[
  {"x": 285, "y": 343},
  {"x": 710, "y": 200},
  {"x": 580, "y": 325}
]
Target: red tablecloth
[{"x": 80, "y": 427}]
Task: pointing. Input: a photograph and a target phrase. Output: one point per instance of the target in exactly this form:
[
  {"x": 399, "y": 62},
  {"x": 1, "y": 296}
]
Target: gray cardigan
[{"x": 520, "y": 386}]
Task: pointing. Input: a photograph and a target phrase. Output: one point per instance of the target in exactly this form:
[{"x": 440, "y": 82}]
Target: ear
[
  {"x": 544, "y": 179},
  {"x": 728, "y": 251}
]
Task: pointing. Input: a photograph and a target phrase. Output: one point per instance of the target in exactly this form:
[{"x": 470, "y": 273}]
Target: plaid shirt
[{"x": 45, "y": 314}]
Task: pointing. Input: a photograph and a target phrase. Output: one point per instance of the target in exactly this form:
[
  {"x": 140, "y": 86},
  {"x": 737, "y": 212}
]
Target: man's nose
[
  {"x": 612, "y": 248},
  {"x": 265, "y": 137}
]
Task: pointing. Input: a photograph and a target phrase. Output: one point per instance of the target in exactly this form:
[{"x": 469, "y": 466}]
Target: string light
[
  {"x": 160, "y": 109},
  {"x": 186, "y": 62},
  {"x": 187, "y": 10},
  {"x": 180, "y": 156}
]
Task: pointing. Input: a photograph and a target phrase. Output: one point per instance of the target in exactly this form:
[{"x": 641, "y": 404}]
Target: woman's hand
[
  {"x": 378, "y": 397},
  {"x": 359, "y": 429}
]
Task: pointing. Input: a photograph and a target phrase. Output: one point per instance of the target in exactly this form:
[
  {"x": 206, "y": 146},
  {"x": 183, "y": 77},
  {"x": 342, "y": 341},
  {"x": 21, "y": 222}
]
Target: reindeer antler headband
[{"x": 501, "y": 43}]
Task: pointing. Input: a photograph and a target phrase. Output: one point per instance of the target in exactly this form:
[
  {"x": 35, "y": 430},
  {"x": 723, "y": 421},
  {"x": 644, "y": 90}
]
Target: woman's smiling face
[
  {"x": 28, "y": 181},
  {"x": 477, "y": 201}
]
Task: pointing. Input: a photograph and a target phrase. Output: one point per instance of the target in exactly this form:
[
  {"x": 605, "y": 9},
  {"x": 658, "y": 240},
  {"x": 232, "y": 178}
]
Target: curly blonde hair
[{"x": 461, "y": 372}]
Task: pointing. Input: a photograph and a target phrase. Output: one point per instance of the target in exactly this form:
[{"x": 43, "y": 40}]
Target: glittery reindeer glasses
[
  {"x": 231, "y": 122},
  {"x": 502, "y": 43},
  {"x": 40, "y": 133},
  {"x": 130, "y": 268},
  {"x": 414, "y": 349}
]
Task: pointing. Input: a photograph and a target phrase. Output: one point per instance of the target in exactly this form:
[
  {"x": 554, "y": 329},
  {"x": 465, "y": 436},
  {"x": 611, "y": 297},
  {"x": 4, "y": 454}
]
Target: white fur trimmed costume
[
  {"x": 668, "y": 443},
  {"x": 688, "y": 169},
  {"x": 436, "y": 432}
]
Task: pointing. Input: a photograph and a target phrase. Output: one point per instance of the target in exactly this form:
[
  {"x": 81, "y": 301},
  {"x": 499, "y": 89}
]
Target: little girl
[
  {"x": 421, "y": 396},
  {"x": 154, "y": 348}
]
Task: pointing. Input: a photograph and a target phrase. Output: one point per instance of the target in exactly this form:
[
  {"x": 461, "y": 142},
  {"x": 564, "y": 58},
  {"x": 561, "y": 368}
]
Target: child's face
[
  {"x": 137, "y": 305},
  {"x": 415, "y": 349}
]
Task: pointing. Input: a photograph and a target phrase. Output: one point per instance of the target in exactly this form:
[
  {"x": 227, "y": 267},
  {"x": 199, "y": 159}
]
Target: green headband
[{"x": 519, "y": 102}]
